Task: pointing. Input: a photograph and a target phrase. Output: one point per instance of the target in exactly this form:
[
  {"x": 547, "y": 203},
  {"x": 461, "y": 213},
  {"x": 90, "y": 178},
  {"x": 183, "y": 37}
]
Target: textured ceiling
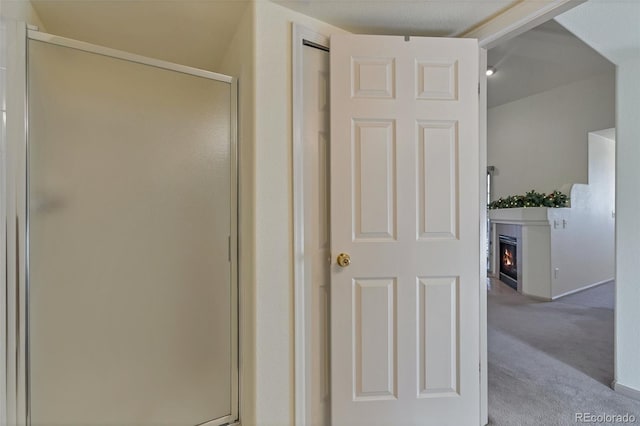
[
  {"x": 188, "y": 32},
  {"x": 402, "y": 17},
  {"x": 541, "y": 59}
]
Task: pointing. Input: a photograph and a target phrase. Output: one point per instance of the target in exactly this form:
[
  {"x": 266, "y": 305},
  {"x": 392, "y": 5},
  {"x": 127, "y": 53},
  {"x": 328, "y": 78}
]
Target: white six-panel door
[{"x": 404, "y": 206}]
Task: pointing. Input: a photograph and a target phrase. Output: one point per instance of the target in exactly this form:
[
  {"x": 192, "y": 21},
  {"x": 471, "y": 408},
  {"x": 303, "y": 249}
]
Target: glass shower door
[{"x": 130, "y": 295}]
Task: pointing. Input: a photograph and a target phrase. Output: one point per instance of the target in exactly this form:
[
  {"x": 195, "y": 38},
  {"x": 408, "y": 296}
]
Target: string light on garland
[{"x": 555, "y": 199}]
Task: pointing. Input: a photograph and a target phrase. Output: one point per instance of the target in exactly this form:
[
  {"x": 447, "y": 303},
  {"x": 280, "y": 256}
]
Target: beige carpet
[{"x": 551, "y": 360}]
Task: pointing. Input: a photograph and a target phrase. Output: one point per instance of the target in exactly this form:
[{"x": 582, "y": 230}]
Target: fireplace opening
[{"x": 509, "y": 261}]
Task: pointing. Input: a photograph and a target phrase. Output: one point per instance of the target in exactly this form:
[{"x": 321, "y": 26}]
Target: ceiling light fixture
[{"x": 490, "y": 71}]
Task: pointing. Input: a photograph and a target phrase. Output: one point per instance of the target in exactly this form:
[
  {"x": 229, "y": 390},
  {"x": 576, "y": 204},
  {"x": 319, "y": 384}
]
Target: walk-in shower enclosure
[{"x": 120, "y": 209}]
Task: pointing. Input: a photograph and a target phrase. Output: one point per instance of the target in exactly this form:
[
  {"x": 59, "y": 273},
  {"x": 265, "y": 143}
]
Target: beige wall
[
  {"x": 20, "y": 10},
  {"x": 239, "y": 62},
  {"x": 260, "y": 56},
  {"x": 273, "y": 204},
  {"x": 540, "y": 142}
]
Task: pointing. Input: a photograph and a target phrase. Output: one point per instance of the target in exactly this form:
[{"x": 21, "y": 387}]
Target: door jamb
[
  {"x": 516, "y": 20},
  {"x": 513, "y": 22},
  {"x": 482, "y": 139},
  {"x": 302, "y": 296}
]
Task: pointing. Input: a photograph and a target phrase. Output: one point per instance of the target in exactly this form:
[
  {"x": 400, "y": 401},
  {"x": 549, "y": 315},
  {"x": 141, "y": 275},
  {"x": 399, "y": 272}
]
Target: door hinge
[
  {"x": 229, "y": 248},
  {"x": 478, "y": 89}
]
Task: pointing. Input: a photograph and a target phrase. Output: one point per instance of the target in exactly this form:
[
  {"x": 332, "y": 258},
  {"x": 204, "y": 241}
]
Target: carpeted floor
[{"x": 551, "y": 360}]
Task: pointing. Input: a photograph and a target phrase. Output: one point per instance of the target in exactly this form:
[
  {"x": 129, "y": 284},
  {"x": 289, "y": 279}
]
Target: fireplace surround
[
  {"x": 508, "y": 258},
  {"x": 509, "y": 237}
]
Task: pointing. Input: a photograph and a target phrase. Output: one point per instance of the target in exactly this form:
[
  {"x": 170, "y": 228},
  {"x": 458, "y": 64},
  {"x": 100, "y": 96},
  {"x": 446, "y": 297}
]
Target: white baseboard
[
  {"x": 587, "y": 287},
  {"x": 538, "y": 298},
  {"x": 626, "y": 390}
]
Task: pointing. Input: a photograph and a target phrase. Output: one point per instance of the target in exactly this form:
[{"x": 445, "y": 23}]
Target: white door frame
[
  {"x": 302, "y": 290},
  {"x": 520, "y": 18},
  {"x": 511, "y": 23},
  {"x": 482, "y": 127}
]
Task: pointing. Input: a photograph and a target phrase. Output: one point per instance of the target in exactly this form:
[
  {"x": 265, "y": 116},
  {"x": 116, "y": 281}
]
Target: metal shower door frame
[{"x": 14, "y": 218}]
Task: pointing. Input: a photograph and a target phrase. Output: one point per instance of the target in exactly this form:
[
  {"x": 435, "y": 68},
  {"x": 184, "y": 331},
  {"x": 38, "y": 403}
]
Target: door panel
[
  {"x": 374, "y": 173},
  {"x": 438, "y": 336},
  {"x": 130, "y": 298},
  {"x": 375, "y": 339},
  {"x": 438, "y": 179},
  {"x": 404, "y": 205}
]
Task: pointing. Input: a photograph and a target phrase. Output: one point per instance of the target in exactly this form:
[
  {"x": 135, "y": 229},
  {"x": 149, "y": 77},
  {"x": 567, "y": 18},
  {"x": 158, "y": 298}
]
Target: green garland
[{"x": 531, "y": 199}]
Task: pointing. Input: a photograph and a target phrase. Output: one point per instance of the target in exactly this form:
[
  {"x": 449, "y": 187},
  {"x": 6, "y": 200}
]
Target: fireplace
[{"x": 509, "y": 261}]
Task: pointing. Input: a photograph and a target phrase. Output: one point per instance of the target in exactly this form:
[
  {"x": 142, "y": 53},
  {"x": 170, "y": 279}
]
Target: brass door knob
[{"x": 344, "y": 260}]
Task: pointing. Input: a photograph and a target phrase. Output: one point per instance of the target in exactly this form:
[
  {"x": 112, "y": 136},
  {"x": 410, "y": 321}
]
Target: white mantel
[{"x": 530, "y": 216}]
